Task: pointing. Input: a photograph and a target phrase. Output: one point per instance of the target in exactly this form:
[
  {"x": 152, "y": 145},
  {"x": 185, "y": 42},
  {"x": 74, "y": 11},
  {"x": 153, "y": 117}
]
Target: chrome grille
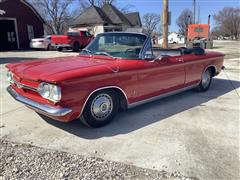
[{"x": 23, "y": 86}]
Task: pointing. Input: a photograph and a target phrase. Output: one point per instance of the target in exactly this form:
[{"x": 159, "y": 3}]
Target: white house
[
  {"x": 106, "y": 19},
  {"x": 173, "y": 38}
]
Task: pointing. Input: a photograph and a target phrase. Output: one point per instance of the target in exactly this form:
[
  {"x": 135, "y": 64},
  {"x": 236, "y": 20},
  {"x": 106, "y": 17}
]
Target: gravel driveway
[{"x": 19, "y": 161}]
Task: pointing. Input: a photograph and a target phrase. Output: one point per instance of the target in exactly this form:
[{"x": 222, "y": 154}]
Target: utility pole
[
  {"x": 165, "y": 24},
  {"x": 194, "y": 11}
]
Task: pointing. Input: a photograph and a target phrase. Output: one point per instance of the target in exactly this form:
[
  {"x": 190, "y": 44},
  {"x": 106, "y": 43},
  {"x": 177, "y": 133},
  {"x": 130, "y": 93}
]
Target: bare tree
[
  {"x": 216, "y": 33},
  {"x": 228, "y": 20},
  {"x": 151, "y": 22},
  {"x": 127, "y": 8},
  {"x": 185, "y": 18},
  {"x": 56, "y": 14},
  {"x": 100, "y": 3}
]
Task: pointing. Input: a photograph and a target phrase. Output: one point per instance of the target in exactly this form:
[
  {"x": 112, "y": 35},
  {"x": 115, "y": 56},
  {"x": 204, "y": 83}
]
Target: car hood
[{"x": 55, "y": 69}]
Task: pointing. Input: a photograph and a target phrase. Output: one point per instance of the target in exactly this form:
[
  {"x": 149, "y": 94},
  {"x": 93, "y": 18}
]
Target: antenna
[{"x": 198, "y": 14}]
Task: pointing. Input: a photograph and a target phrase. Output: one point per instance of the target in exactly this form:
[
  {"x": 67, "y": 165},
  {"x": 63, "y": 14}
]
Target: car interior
[{"x": 158, "y": 52}]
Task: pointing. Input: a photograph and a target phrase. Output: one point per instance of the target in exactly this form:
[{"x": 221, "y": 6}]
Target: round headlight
[
  {"x": 50, "y": 91},
  {"x": 44, "y": 90},
  {"x": 9, "y": 76},
  {"x": 56, "y": 93}
]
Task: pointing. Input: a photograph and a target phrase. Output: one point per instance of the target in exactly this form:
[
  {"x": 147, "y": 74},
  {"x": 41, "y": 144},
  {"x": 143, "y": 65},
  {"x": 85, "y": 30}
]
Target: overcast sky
[{"x": 176, "y": 6}]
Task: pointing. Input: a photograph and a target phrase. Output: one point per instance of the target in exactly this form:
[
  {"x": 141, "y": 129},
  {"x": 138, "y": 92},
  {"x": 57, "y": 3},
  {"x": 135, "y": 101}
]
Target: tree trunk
[{"x": 236, "y": 36}]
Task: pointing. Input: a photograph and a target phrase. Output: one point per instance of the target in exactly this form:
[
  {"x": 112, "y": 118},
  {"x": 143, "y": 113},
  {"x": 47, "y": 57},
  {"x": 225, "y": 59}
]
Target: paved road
[{"x": 194, "y": 133}]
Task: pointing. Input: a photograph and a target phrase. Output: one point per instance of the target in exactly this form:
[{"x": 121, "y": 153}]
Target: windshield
[{"x": 123, "y": 45}]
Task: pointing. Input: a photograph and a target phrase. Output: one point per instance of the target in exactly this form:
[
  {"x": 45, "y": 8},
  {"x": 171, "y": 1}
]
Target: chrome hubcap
[
  {"x": 206, "y": 77},
  {"x": 101, "y": 107}
]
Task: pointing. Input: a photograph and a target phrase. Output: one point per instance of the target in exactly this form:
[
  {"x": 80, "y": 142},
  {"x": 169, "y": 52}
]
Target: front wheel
[
  {"x": 100, "y": 109},
  {"x": 205, "y": 81}
]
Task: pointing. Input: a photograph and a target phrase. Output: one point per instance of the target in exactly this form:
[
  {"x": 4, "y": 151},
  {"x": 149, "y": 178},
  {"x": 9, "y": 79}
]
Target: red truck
[
  {"x": 198, "y": 35},
  {"x": 72, "y": 40}
]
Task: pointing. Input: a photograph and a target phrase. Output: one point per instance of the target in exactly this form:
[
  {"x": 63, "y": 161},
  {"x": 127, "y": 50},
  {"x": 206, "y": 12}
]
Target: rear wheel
[
  {"x": 206, "y": 81},
  {"x": 100, "y": 109}
]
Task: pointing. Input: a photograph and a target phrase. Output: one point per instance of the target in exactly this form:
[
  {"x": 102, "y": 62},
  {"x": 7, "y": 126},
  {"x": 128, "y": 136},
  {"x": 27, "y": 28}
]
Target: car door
[
  {"x": 84, "y": 36},
  {"x": 160, "y": 76},
  {"x": 89, "y": 37}
]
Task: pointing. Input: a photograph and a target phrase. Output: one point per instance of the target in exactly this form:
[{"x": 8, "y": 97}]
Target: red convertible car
[{"x": 115, "y": 71}]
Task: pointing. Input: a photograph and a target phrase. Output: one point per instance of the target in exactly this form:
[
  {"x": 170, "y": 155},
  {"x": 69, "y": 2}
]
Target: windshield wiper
[
  {"x": 88, "y": 51},
  {"x": 104, "y": 53}
]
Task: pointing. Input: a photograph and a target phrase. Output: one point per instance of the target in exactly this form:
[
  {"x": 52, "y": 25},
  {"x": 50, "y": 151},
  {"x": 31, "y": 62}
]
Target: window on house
[
  {"x": 30, "y": 32},
  {"x": 11, "y": 36},
  {"x": 198, "y": 29}
]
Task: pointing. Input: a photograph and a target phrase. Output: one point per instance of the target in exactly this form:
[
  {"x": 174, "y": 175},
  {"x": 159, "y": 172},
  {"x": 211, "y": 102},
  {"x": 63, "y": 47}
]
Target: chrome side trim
[
  {"x": 39, "y": 107},
  {"x": 102, "y": 88},
  {"x": 160, "y": 96}
]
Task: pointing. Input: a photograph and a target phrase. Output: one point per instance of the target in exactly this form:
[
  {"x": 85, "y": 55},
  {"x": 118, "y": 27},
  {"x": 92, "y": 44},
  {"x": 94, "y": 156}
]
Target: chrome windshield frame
[{"x": 144, "y": 46}]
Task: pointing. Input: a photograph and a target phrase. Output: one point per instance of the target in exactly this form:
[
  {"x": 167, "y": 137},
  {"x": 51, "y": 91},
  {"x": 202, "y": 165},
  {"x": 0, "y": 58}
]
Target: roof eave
[{"x": 34, "y": 10}]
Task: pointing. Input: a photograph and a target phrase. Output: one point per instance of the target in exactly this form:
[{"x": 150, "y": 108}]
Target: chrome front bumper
[{"x": 39, "y": 107}]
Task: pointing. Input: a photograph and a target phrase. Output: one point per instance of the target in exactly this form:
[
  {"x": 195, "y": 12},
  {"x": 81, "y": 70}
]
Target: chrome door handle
[{"x": 179, "y": 59}]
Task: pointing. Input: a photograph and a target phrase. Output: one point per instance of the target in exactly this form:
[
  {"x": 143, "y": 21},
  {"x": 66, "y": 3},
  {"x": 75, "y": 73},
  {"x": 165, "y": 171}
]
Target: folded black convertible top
[{"x": 182, "y": 50}]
